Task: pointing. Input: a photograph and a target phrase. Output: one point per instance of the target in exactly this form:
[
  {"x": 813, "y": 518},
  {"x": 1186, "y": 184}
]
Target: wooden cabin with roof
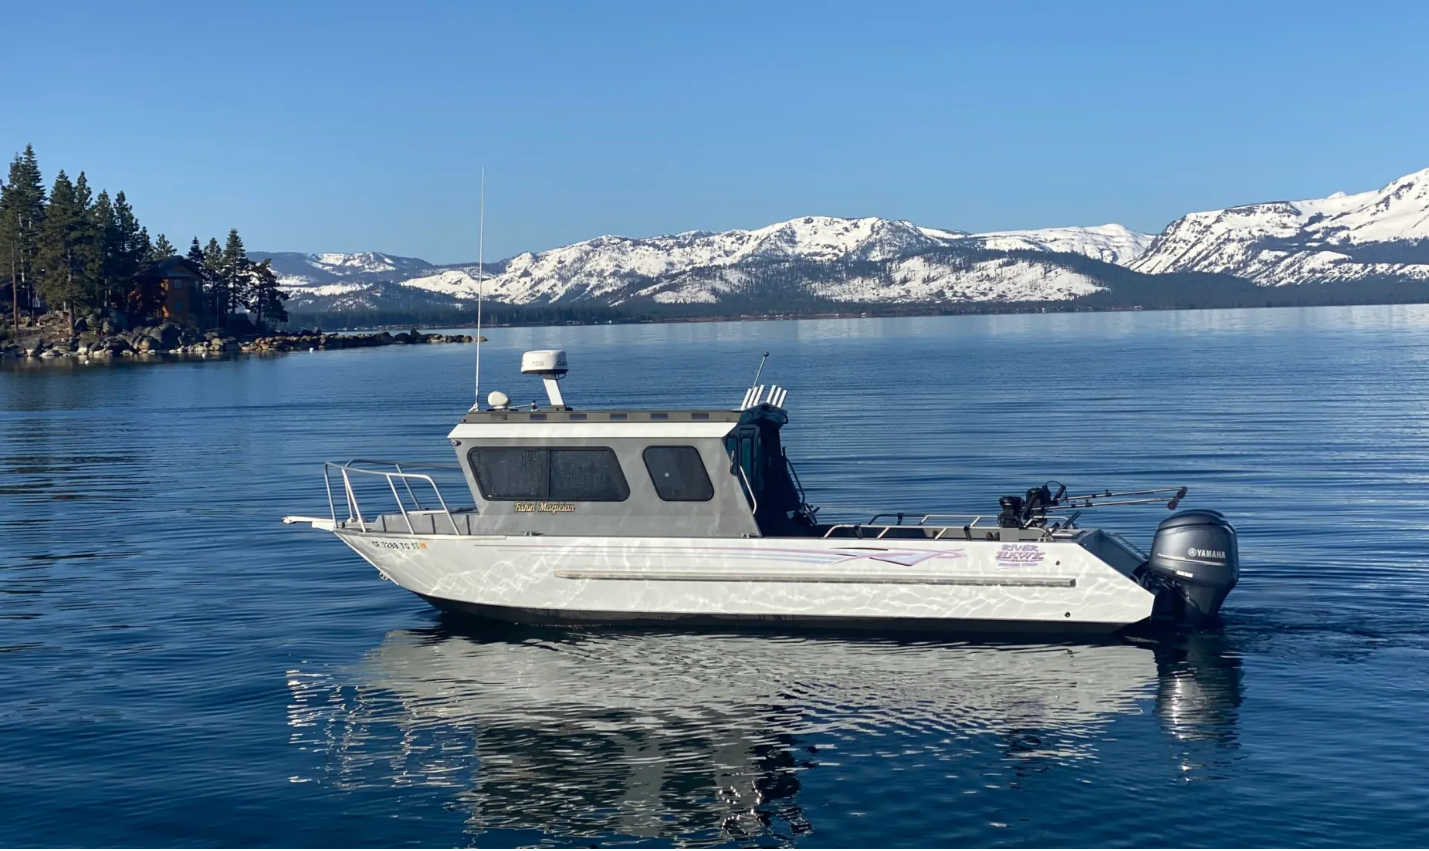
[{"x": 172, "y": 286}]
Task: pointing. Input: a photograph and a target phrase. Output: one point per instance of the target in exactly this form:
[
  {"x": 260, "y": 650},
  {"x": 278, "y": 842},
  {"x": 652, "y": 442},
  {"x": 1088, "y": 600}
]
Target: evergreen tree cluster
[
  {"x": 235, "y": 284},
  {"x": 71, "y": 250}
]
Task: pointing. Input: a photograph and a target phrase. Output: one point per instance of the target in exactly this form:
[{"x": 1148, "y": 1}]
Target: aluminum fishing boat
[{"x": 697, "y": 517}]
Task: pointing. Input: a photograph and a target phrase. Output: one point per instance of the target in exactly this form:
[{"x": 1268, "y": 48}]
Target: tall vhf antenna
[
  {"x": 760, "y": 371},
  {"x": 480, "y": 266}
]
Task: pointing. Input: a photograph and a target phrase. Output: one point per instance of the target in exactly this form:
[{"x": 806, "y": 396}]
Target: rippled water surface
[{"x": 178, "y": 668}]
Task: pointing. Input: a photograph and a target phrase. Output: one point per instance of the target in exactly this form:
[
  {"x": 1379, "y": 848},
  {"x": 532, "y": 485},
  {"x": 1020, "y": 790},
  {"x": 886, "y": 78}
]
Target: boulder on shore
[{"x": 168, "y": 335}]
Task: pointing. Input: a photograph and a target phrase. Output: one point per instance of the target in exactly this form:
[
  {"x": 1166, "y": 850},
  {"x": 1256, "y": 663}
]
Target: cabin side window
[
  {"x": 587, "y": 475},
  {"x": 577, "y": 475},
  {"x": 678, "y": 473},
  {"x": 505, "y": 474}
]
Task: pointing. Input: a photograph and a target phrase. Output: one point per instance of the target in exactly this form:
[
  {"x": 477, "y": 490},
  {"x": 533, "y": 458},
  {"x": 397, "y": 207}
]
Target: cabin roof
[
  {"x": 566, "y": 423},
  {"x": 563, "y": 425},
  {"x": 550, "y": 415},
  {"x": 170, "y": 267}
]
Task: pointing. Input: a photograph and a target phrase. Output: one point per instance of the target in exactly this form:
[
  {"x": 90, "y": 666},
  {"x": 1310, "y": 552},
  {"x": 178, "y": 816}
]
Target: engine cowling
[{"x": 1194, "y": 564}]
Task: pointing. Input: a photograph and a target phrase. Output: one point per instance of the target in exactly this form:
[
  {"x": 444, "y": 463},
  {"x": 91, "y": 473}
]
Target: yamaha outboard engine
[{"x": 1194, "y": 564}]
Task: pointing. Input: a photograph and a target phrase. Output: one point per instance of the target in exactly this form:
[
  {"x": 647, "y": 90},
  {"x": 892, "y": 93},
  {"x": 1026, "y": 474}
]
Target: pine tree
[
  {"x": 235, "y": 267},
  {"x": 7, "y": 244},
  {"x": 60, "y": 262},
  {"x": 143, "y": 248},
  {"x": 127, "y": 252},
  {"x": 101, "y": 219},
  {"x": 163, "y": 249},
  {"x": 22, "y": 215},
  {"x": 88, "y": 246},
  {"x": 265, "y": 299},
  {"x": 35, "y": 204},
  {"x": 195, "y": 256},
  {"x": 217, "y": 286}
]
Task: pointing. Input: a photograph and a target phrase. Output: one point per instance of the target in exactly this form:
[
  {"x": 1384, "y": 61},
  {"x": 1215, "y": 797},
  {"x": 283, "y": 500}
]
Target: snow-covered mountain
[
  {"x": 300, "y": 271},
  {"x": 1381, "y": 233},
  {"x": 854, "y": 260}
]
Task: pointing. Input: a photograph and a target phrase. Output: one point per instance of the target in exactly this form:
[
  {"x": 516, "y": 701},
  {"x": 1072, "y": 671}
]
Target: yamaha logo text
[{"x": 1195, "y": 553}]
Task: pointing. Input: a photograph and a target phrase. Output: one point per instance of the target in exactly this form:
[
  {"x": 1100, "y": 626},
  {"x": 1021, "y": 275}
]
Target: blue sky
[{"x": 361, "y": 126}]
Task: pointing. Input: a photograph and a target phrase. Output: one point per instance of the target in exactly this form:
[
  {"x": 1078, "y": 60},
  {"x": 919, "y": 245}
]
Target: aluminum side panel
[{"x": 974, "y": 580}]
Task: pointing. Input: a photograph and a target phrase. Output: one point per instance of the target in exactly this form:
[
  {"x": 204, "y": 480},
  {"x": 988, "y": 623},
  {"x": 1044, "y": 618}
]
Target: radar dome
[
  {"x": 544, "y": 362},
  {"x": 498, "y": 400}
]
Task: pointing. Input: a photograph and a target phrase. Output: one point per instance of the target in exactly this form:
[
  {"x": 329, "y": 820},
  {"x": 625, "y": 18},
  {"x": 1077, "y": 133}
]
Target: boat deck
[
  {"x": 420, "y": 519},
  {"x": 466, "y": 522}
]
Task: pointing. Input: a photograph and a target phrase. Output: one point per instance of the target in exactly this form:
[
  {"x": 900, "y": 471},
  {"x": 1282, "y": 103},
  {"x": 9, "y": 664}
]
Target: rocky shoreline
[{"x": 171, "y": 339}]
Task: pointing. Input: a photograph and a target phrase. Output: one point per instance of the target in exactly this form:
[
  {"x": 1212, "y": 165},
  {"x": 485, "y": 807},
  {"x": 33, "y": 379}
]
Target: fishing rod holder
[{"x": 1030, "y": 510}]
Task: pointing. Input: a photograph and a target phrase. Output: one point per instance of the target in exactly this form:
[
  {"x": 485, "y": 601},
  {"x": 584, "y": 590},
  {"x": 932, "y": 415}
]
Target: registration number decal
[{"x": 398, "y": 545}]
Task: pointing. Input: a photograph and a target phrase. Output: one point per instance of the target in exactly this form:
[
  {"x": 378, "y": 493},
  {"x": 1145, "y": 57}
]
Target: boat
[{"x": 698, "y": 518}]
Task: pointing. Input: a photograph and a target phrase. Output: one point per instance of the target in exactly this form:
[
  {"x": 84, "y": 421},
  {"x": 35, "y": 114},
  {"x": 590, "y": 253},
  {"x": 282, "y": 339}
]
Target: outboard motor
[{"x": 1194, "y": 564}]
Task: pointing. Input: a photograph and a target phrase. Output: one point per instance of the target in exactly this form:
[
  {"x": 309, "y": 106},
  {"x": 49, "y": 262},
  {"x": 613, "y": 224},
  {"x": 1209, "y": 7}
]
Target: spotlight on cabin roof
[{"x": 550, "y": 364}]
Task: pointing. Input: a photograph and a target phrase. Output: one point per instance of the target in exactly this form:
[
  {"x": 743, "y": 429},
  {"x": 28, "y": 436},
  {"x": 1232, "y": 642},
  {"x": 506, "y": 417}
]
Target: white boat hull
[{"x": 976, "y": 586}]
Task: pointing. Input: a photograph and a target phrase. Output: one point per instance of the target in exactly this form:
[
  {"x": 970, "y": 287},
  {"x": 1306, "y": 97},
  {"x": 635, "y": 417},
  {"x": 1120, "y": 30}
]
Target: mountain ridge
[
  {"x": 1378, "y": 233},
  {"x": 702, "y": 266},
  {"x": 1375, "y": 236}
]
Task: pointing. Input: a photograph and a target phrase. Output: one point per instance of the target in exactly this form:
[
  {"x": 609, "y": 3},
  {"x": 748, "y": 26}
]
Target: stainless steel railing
[{"x": 392, "y": 476}]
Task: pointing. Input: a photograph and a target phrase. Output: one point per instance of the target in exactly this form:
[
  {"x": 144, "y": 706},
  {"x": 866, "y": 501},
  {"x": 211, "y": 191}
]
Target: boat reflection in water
[
  {"x": 1198, "y": 697},
  {"x": 705, "y": 738}
]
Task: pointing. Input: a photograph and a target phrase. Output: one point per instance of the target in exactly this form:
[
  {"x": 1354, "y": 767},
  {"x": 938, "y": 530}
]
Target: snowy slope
[
  {"x": 912, "y": 279},
  {"x": 302, "y": 271},
  {"x": 1108, "y": 243},
  {"x": 924, "y": 279},
  {"x": 1339, "y": 238}
]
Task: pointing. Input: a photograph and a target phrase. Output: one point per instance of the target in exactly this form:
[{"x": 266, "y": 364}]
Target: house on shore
[{"x": 172, "y": 286}]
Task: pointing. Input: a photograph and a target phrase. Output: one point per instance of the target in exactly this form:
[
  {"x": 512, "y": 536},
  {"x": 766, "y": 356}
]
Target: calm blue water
[{"x": 180, "y": 669}]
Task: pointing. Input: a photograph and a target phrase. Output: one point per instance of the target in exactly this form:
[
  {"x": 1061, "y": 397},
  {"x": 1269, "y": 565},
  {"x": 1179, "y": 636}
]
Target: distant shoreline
[
  {"x": 172, "y": 340},
  {"x": 891, "y": 312},
  {"x": 216, "y": 345}
]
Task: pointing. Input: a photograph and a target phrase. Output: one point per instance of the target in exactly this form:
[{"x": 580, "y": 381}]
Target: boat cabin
[{"x": 559, "y": 471}]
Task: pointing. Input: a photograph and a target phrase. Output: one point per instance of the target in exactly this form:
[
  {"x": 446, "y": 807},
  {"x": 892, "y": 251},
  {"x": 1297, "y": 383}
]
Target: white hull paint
[{"x": 1050, "y": 585}]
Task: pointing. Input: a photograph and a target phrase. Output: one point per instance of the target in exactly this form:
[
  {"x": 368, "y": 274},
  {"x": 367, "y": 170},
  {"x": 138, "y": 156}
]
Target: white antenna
[
  {"x": 480, "y": 258},
  {"x": 760, "y": 371}
]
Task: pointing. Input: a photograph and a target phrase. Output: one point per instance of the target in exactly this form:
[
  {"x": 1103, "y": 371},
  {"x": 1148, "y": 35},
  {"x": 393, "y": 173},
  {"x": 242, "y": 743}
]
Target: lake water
[{"x": 180, "y": 669}]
